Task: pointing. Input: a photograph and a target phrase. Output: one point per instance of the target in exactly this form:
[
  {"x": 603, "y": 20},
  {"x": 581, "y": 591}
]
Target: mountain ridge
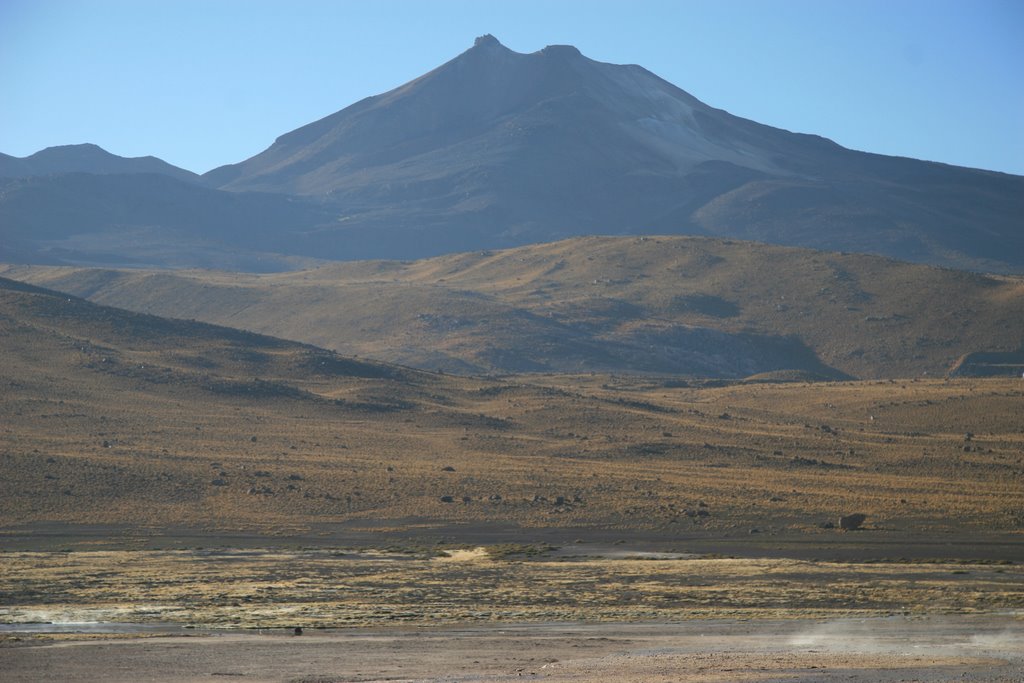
[{"x": 87, "y": 158}]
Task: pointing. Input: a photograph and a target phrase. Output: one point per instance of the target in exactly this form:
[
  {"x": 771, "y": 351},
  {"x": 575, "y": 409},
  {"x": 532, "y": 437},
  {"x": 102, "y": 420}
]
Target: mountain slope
[
  {"x": 497, "y": 148},
  {"x": 147, "y": 219},
  {"x": 689, "y": 306},
  {"x": 126, "y": 426},
  {"x": 86, "y": 158}
]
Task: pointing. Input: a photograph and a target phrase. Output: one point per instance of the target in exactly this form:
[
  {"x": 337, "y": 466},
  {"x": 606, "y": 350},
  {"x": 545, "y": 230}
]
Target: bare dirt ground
[
  {"x": 962, "y": 648},
  {"x": 159, "y": 475},
  {"x": 500, "y": 613}
]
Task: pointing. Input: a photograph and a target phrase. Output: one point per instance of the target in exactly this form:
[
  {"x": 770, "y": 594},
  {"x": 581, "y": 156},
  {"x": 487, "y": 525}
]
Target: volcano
[{"x": 497, "y": 148}]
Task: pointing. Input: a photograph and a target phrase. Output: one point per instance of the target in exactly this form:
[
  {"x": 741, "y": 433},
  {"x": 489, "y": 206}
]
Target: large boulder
[{"x": 851, "y": 522}]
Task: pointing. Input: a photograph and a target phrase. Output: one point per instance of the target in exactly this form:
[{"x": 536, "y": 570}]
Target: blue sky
[{"x": 202, "y": 83}]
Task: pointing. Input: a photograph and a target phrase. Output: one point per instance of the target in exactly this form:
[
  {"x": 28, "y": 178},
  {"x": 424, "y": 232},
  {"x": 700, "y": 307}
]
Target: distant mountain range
[
  {"x": 498, "y": 149},
  {"x": 86, "y": 158}
]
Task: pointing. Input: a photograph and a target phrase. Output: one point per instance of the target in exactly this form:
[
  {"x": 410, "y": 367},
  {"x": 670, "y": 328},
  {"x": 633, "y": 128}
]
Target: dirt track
[{"x": 964, "y": 648}]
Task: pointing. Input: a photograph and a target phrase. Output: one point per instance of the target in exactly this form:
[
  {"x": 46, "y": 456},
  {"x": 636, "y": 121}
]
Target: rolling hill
[
  {"x": 125, "y": 425},
  {"x": 697, "y": 307}
]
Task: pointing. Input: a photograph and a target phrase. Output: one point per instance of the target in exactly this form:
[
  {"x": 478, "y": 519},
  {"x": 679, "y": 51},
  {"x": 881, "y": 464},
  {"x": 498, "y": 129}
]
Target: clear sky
[{"x": 200, "y": 83}]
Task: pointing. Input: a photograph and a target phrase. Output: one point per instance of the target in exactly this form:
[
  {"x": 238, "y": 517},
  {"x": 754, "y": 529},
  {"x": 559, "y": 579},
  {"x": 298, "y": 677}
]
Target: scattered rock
[
  {"x": 298, "y": 631},
  {"x": 447, "y": 499},
  {"x": 219, "y": 482},
  {"x": 447, "y": 468},
  {"x": 851, "y": 522}
]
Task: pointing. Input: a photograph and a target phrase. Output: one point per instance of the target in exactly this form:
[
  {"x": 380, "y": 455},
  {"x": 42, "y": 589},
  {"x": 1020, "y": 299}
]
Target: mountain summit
[
  {"x": 492, "y": 109},
  {"x": 498, "y": 148},
  {"x": 86, "y": 158}
]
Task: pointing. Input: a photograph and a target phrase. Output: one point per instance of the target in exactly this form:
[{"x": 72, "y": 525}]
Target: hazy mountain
[
  {"x": 147, "y": 219},
  {"x": 686, "y": 306},
  {"x": 86, "y": 158},
  {"x": 497, "y": 148}
]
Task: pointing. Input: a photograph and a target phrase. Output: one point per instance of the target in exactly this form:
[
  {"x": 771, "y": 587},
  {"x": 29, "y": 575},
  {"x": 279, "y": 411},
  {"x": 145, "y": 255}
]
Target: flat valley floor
[
  {"x": 580, "y": 612},
  {"x": 949, "y": 648}
]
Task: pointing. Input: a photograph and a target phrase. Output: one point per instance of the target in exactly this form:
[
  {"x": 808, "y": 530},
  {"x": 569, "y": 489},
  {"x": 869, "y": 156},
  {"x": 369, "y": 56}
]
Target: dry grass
[
  {"x": 132, "y": 421},
  {"x": 604, "y": 304},
  {"x": 124, "y": 435},
  {"x": 331, "y": 588}
]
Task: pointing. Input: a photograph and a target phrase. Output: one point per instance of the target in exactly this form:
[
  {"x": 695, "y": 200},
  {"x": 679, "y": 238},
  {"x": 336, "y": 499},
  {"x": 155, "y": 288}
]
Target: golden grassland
[
  {"x": 600, "y": 303},
  {"x": 776, "y": 458},
  {"x": 129, "y": 440},
  {"x": 112, "y": 418},
  {"x": 329, "y": 588},
  {"x": 136, "y": 421}
]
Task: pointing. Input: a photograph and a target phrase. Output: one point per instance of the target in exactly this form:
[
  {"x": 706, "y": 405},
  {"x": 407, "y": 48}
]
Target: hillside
[
  {"x": 121, "y": 425},
  {"x": 86, "y": 158},
  {"x": 683, "y": 306},
  {"x": 147, "y": 219}
]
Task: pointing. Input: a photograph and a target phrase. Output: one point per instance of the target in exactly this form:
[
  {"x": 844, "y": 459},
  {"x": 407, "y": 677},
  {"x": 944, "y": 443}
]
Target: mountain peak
[
  {"x": 80, "y": 151},
  {"x": 85, "y": 158},
  {"x": 487, "y": 40},
  {"x": 561, "y": 51}
]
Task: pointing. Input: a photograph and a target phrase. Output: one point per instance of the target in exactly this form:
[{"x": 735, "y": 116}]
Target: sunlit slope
[
  {"x": 122, "y": 421},
  {"x": 688, "y": 306}
]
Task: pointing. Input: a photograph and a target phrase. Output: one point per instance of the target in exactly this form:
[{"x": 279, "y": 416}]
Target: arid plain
[{"x": 172, "y": 473}]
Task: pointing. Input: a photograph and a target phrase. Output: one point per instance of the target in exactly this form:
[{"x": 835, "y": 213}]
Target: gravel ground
[{"x": 938, "y": 648}]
